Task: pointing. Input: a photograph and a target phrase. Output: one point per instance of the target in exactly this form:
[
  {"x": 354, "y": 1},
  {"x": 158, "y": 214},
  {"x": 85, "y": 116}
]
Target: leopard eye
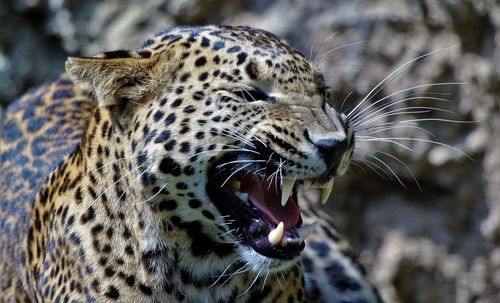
[{"x": 252, "y": 94}]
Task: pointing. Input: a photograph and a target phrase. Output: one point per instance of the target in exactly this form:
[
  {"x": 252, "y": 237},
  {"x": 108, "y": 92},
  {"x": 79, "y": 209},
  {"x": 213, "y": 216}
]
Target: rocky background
[{"x": 437, "y": 244}]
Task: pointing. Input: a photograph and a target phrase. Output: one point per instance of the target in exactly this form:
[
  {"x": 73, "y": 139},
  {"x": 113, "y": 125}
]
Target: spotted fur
[{"x": 103, "y": 175}]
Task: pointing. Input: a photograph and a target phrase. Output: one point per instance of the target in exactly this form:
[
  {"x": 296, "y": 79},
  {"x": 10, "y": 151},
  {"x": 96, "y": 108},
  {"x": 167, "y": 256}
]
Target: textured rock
[{"x": 437, "y": 244}]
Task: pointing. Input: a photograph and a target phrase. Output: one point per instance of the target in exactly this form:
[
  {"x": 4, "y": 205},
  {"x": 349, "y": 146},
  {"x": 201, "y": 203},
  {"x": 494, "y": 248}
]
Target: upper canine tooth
[
  {"x": 286, "y": 190},
  {"x": 236, "y": 185},
  {"x": 325, "y": 193},
  {"x": 276, "y": 234}
]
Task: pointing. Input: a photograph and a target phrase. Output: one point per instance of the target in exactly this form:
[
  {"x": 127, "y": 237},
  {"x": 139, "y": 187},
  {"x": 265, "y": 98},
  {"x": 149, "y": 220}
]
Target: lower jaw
[
  {"x": 253, "y": 228},
  {"x": 260, "y": 263}
]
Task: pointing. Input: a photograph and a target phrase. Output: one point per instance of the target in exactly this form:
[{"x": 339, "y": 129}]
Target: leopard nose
[{"x": 331, "y": 149}]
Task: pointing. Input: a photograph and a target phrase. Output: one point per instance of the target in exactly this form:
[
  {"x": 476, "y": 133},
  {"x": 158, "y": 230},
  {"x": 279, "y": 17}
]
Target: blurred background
[{"x": 437, "y": 244}]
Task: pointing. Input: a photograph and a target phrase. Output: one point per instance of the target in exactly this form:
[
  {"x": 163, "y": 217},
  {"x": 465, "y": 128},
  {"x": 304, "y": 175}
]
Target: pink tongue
[{"x": 266, "y": 196}]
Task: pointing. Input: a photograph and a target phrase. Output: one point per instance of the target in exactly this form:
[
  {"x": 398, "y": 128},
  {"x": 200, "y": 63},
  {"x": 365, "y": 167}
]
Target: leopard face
[{"x": 222, "y": 127}]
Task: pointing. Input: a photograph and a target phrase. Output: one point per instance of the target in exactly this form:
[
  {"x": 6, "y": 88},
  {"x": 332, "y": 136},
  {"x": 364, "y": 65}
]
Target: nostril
[{"x": 331, "y": 150}]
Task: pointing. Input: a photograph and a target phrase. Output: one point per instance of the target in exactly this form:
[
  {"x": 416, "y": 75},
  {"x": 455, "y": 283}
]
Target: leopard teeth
[
  {"x": 327, "y": 190},
  {"x": 286, "y": 190},
  {"x": 306, "y": 231},
  {"x": 276, "y": 234}
]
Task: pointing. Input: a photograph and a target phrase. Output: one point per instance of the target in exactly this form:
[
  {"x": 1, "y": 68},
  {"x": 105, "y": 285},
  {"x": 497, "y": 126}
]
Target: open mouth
[{"x": 261, "y": 209}]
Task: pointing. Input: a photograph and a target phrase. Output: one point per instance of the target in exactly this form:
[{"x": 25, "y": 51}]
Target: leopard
[{"x": 177, "y": 172}]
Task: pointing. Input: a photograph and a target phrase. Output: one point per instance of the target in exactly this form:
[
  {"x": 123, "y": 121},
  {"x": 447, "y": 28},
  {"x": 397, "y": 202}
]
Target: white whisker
[
  {"x": 371, "y": 138},
  {"x": 389, "y": 168},
  {"x": 402, "y": 163},
  {"x": 374, "y": 166},
  {"x": 153, "y": 196},
  {"x": 253, "y": 282},
  {"x": 442, "y": 120},
  {"x": 233, "y": 173},
  {"x": 385, "y": 81},
  {"x": 395, "y": 126},
  {"x": 401, "y": 111},
  {"x": 337, "y": 48},
  {"x": 408, "y": 89},
  {"x": 222, "y": 274},
  {"x": 423, "y": 140},
  {"x": 379, "y": 109}
]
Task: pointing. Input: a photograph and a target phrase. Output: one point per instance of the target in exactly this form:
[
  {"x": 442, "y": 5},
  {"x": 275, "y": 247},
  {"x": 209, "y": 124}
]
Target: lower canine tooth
[
  {"x": 276, "y": 234},
  {"x": 305, "y": 232},
  {"x": 325, "y": 193}
]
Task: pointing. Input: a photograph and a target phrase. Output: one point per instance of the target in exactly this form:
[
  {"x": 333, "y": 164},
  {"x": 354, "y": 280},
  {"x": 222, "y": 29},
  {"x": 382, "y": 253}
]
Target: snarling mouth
[{"x": 261, "y": 210}]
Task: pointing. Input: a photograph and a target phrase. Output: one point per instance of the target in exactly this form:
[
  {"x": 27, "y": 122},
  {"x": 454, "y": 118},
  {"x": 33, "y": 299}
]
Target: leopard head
[{"x": 223, "y": 126}]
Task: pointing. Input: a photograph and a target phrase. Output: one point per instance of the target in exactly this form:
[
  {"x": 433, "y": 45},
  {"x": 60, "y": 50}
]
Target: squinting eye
[{"x": 252, "y": 94}]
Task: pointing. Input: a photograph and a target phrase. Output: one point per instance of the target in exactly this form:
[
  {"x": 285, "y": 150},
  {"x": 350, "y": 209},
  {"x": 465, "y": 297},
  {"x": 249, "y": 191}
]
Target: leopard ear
[{"x": 112, "y": 76}]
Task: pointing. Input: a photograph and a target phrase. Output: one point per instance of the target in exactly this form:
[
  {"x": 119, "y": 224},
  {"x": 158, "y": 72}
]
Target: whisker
[
  {"x": 345, "y": 99},
  {"x": 396, "y": 112},
  {"x": 109, "y": 163},
  {"x": 253, "y": 282},
  {"x": 424, "y": 140},
  {"x": 152, "y": 197},
  {"x": 232, "y": 174},
  {"x": 372, "y": 138},
  {"x": 443, "y": 120},
  {"x": 337, "y": 48},
  {"x": 321, "y": 45},
  {"x": 241, "y": 270},
  {"x": 379, "y": 109},
  {"x": 359, "y": 165},
  {"x": 385, "y": 81},
  {"x": 389, "y": 168},
  {"x": 374, "y": 166},
  {"x": 226, "y": 233},
  {"x": 402, "y": 163},
  {"x": 402, "y": 111},
  {"x": 135, "y": 180},
  {"x": 265, "y": 277},
  {"x": 222, "y": 274},
  {"x": 239, "y": 161},
  {"x": 413, "y": 122},
  {"x": 396, "y": 126},
  {"x": 116, "y": 182},
  {"x": 410, "y": 89}
]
